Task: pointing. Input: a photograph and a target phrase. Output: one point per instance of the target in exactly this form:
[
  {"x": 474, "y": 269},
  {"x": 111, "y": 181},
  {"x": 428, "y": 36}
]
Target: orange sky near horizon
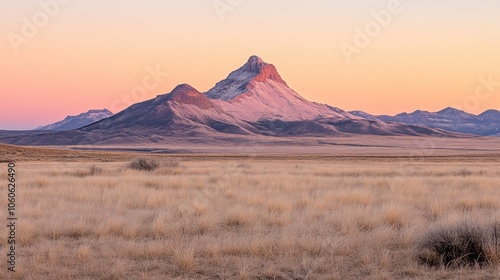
[{"x": 92, "y": 55}]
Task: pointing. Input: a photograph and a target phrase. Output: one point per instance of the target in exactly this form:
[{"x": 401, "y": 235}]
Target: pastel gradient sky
[{"x": 93, "y": 54}]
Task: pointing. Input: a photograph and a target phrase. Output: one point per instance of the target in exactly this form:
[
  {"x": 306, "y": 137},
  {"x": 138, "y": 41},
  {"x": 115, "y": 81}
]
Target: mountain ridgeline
[
  {"x": 252, "y": 101},
  {"x": 450, "y": 119}
]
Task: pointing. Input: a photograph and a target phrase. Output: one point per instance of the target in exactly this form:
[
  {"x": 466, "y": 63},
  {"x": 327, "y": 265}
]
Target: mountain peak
[
  {"x": 255, "y": 70},
  {"x": 183, "y": 88},
  {"x": 452, "y": 112},
  {"x": 490, "y": 111},
  {"x": 98, "y": 111},
  {"x": 448, "y": 110},
  {"x": 263, "y": 70},
  {"x": 490, "y": 114},
  {"x": 187, "y": 94},
  {"x": 254, "y": 63},
  {"x": 255, "y": 58}
]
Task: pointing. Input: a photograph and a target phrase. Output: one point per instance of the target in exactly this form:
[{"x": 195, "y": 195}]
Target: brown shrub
[
  {"x": 462, "y": 245},
  {"x": 143, "y": 164}
]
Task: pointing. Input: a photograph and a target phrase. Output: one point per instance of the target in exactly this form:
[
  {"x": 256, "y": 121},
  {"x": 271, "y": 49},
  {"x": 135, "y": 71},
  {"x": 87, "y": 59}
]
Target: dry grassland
[{"x": 248, "y": 219}]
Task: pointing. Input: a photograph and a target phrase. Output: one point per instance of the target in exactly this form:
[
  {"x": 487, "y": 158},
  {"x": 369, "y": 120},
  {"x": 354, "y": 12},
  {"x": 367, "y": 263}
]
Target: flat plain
[{"x": 88, "y": 215}]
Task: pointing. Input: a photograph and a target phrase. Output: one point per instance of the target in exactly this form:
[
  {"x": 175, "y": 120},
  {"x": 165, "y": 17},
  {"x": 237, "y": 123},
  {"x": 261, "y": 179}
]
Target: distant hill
[
  {"x": 450, "y": 119},
  {"x": 79, "y": 121}
]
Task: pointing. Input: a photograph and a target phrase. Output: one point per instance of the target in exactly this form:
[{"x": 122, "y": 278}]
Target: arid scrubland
[{"x": 254, "y": 219}]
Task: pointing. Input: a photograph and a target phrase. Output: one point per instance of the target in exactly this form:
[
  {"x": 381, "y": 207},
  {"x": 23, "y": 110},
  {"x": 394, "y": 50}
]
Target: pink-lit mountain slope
[{"x": 256, "y": 92}]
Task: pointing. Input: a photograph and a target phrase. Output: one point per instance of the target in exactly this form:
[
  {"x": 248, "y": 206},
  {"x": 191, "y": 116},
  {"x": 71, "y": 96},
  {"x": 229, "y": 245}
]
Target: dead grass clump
[
  {"x": 397, "y": 215},
  {"x": 143, "y": 164},
  {"x": 184, "y": 258},
  {"x": 171, "y": 163},
  {"x": 152, "y": 184},
  {"x": 118, "y": 270},
  {"x": 240, "y": 217},
  {"x": 464, "y": 172},
  {"x": 169, "y": 167},
  {"x": 492, "y": 247},
  {"x": 463, "y": 245},
  {"x": 91, "y": 171},
  {"x": 244, "y": 165},
  {"x": 95, "y": 170},
  {"x": 84, "y": 252},
  {"x": 41, "y": 182}
]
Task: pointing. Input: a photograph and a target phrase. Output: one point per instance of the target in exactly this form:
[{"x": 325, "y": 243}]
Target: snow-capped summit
[
  {"x": 254, "y": 63},
  {"x": 264, "y": 70},
  {"x": 256, "y": 92},
  {"x": 75, "y": 122},
  {"x": 255, "y": 60},
  {"x": 236, "y": 83}
]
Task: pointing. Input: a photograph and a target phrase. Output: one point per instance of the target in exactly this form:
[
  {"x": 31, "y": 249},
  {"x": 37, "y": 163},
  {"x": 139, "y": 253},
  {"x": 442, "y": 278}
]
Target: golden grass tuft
[
  {"x": 397, "y": 215},
  {"x": 239, "y": 216},
  {"x": 84, "y": 252},
  {"x": 40, "y": 182},
  {"x": 184, "y": 258}
]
